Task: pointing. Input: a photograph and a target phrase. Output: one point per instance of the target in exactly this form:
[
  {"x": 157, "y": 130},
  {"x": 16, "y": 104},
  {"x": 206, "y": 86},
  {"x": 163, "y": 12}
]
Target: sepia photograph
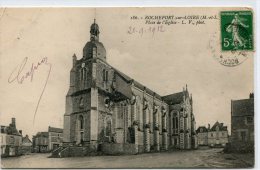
[{"x": 127, "y": 87}]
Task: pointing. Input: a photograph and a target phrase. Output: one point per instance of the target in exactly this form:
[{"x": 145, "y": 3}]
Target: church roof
[
  {"x": 242, "y": 107},
  {"x": 136, "y": 84},
  {"x": 175, "y": 98},
  {"x": 88, "y": 49}
]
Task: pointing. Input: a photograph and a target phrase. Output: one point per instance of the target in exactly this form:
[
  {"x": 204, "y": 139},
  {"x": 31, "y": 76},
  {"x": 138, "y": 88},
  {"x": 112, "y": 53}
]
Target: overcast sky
[{"x": 164, "y": 61}]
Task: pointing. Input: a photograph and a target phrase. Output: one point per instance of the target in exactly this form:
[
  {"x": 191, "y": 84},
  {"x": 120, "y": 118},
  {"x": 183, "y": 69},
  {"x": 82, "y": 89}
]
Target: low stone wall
[
  {"x": 240, "y": 147},
  {"x": 119, "y": 148}
]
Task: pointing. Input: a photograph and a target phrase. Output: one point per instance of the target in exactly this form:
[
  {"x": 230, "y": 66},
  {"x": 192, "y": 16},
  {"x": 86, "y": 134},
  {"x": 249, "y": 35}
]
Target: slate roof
[
  {"x": 204, "y": 129},
  {"x": 53, "y": 129},
  {"x": 244, "y": 107},
  {"x": 42, "y": 134},
  {"x": 137, "y": 84},
  {"x": 175, "y": 98},
  {"x": 26, "y": 139},
  {"x": 220, "y": 125},
  {"x": 10, "y": 130}
]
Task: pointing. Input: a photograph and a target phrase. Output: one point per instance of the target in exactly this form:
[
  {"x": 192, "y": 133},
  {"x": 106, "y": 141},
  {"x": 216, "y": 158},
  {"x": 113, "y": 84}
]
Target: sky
[{"x": 164, "y": 61}]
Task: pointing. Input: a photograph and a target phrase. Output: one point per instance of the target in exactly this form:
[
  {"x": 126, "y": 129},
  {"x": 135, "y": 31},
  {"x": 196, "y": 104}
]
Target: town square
[{"x": 125, "y": 100}]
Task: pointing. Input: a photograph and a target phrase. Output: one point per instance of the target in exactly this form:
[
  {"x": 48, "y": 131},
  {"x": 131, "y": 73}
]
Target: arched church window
[
  {"x": 175, "y": 123},
  {"x": 81, "y": 122},
  {"x": 81, "y": 102},
  {"x": 104, "y": 75},
  {"x": 83, "y": 72}
]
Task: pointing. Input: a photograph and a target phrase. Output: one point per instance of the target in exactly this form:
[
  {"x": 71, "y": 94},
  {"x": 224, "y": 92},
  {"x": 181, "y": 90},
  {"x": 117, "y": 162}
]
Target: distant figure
[{"x": 234, "y": 29}]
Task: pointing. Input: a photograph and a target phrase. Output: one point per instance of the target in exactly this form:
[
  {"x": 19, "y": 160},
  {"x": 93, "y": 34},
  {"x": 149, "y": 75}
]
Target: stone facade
[
  {"x": 242, "y": 124},
  {"x": 103, "y": 105},
  {"x": 48, "y": 141},
  {"x": 41, "y": 142},
  {"x": 181, "y": 120},
  {"x": 202, "y": 132},
  {"x": 26, "y": 146},
  {"x": 55, "y": 138},
  {"x": 11, "y": 140},
  {"x": 216, "y": 136}
]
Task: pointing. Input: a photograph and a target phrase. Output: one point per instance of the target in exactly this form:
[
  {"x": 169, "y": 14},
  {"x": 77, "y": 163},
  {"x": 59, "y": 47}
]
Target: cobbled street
[{"x": 201, "y": 158}]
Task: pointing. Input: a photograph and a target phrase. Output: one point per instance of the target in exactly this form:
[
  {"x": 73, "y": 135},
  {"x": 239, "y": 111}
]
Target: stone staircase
[{"x": 74, "y": 151}]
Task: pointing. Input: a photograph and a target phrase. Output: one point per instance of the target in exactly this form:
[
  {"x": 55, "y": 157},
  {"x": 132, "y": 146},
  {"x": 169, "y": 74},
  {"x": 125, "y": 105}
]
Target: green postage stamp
[{"x": 237, "y": 30}]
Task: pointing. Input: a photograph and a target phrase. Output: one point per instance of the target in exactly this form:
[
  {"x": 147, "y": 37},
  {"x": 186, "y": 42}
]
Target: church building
[{"x": 108, "y": 111}]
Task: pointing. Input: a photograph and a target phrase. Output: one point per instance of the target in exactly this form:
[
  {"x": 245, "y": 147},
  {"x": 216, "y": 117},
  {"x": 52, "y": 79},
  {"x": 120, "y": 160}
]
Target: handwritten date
[{"x": 142, "y": 30}]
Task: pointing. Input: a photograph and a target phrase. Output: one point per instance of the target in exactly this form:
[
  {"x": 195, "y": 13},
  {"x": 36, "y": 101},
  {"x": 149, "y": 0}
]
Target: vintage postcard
[{"x": 168, "y": 87}]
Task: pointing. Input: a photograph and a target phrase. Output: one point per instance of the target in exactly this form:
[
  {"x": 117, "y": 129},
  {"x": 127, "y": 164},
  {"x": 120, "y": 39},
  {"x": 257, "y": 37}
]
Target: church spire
[{"x": 94, "y": 31}]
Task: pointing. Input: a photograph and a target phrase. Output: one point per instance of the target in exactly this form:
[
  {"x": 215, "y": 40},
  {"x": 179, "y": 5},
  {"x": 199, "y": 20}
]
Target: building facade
[
  {"x": 218, "y": 135},
  {"x": 103, "y": 105},
  {"x": 202, "y": 133},
  {"x": 11, "y": 140},
  {"x": 215, "y": 136},
  {"x": 26, "y": 146},
  {"x": 242, "y": 124},
  {"x": 41, "y": 142},
  {"x": 48, "y": 141},
  {"x": 55, "y": 138}
]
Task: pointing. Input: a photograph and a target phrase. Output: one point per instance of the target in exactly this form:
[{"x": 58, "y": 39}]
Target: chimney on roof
[
  {"x": 13, "y": 122},
  {"x": 251, "y": 95},
  {"x": 21, "y": 132},
  {"x": 208, "y": 126}
]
